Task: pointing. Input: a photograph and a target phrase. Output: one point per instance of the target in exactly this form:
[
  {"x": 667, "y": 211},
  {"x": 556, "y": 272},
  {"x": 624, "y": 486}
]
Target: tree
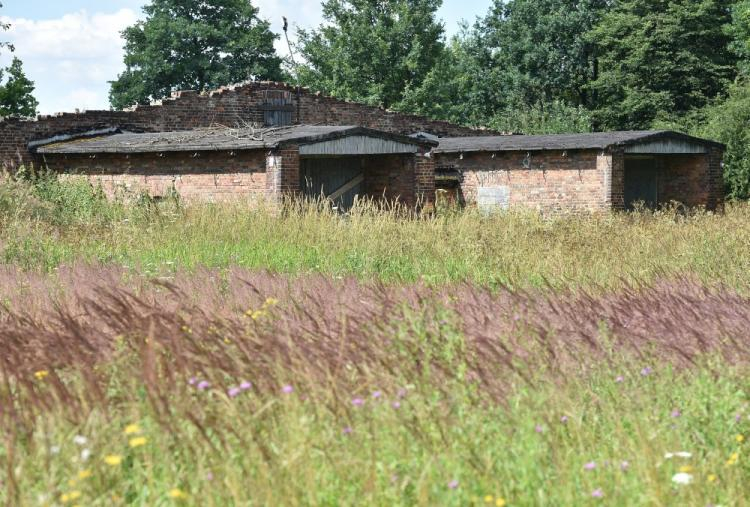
[
  {"x": 543, "y": 48},
  {"x": 4, "y": 27},
  {"x": 660, "y": 58},
  {"x": 16, "y": 94},
  {"x": 194, "y": 44},
  {"x": 372, "y": 51},
  {"x": 739, "y": 30}
]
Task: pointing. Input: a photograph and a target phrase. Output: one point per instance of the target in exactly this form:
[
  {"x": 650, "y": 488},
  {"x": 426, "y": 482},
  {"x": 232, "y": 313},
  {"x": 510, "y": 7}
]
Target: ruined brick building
[{"x": 269, "y": 140}]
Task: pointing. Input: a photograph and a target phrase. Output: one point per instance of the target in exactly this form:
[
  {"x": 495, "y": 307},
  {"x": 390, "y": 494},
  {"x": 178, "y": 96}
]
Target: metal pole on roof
[{"x": 294, "y": 64}]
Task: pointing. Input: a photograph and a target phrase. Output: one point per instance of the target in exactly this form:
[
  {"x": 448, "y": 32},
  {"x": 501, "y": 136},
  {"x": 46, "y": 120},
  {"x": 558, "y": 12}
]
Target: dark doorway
[
  {"x": 641, "y": 178},
  {"x": 339, "y": 178}
]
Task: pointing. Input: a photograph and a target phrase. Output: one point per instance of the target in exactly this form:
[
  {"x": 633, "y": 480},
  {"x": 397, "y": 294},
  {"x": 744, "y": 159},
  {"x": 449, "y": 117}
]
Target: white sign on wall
[{"x": 493, "y": 199}]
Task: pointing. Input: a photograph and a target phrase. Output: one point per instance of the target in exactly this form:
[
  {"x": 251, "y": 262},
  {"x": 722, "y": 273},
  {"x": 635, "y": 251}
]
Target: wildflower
[
  {"x": 676, "y": 413},
  {"x": 686, "y": 469},
  {"x": 245, "y": 385},
  {"x": 177, "y": 494},
  {"x": 679, "y": 454},
  {"x": 646, "y": 371},
  {"x": 682, "y": 478},
  {"x": 80, "y": 440},
  {"x": 500, "y": 502},
  {"x": 733, "y": 459},
  {"x": 348, "y": 430},
  {"x": 113, "y": 460},
  {"x": 193, "y": 381},
  {"x": 590, "y": 466},
  {"x": 739, "y": 439},
  {"x": 620, "y": 379},
  {"x": 401, "y": 393},
  {"x": 396, "y": 405},
  {"x": 209, "y": 476},
  {"x": 271, "y": 302},
  {"x": 453, "y": 484},
  {"x": 287, "y": 389},
  {"x": 488, "y": 499},
  {"x": 538, "y": 428},
  {"x": 41, "y": 374},
  {"x": 564, "y": 419},
  {"x": 132, "y": 429},
  {"x": 203, "y": 385},
  {"x": 712, "y": 478},
  {"x": 358, "y": 402},
  {"x": 84, "y": 474},
  {"x": 70, "y": 497},
  {"x": 377, "y": 394},
  {"x": 233, "y": 392},
  {"x": 597, "y": 493},
  {"x": 137, "y": 442},
  {"x": 85, "y": 454},
  {"x": 624, "y": 466},
  {"x": 55, "y": 449},
  {"x": 738, "y": 418}
]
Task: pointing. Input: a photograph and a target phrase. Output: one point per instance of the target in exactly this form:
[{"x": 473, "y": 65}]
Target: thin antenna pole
[{"x": 294, "y": 65}]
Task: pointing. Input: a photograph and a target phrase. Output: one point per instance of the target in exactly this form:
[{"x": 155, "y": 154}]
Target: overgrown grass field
[{"x": 163, "y": 354}]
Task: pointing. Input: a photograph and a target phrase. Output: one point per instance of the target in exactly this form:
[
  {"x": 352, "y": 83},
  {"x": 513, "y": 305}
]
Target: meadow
[{"x": 168, "y": 354}]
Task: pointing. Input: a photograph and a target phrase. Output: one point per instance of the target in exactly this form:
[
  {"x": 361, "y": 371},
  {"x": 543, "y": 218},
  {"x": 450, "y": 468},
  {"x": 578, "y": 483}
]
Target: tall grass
[
  {"x": 132, "y": 392},
  {"x": 50, "y": 224}
]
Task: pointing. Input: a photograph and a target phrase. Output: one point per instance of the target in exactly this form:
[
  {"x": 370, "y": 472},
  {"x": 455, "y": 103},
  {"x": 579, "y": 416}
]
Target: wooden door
[
  {"x": 328, "y": 176},
  {"x": 641, "y": 182}
]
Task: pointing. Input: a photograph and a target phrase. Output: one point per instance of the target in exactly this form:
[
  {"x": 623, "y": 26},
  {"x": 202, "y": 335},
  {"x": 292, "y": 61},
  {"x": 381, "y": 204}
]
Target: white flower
[
  {"x": 85, "y": 454},
  {"x": 680, "y": 454},
  {"x": 55, "y": 449},
  {"x": 80, "y": 440},
  {"x": 682, "y": 478}
]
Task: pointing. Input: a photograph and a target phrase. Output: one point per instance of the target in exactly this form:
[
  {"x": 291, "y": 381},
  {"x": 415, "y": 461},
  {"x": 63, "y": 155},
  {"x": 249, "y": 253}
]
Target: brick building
[
  {"x": 581, "y": 172},
  {"x": 259, "y": 139}
]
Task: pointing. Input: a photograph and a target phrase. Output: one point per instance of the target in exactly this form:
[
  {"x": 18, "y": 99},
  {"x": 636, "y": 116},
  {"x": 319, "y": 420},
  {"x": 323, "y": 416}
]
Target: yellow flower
[
  {"x": 84, "y": 474},
  {"x": 733, "y": 459},
  {"x": 137, "y": 441},
  {"x": 271, "y": 302},
  {"x": 488, "y": 499},
  {"x": 70, "y": 497},
  {"x": 686, "y": 469},
  {"x": 739, "y": 438},
  {"x": 41, "y": 374},
  {"x": 113, "y": 460},
  {"x": 712, "y": 477},
  {"x": 132, "y": 429},
  {"x": 177, "y": 494},
  {"x": 500, "y": 502}
]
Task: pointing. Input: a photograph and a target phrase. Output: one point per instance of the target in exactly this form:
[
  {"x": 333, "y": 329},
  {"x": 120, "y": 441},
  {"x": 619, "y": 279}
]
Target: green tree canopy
[
  {"x": 372, "y": 50},
  {"x": 16, "y": 93},
  {"x": 660, "y": 57},
  {"x": 194, "y": 44}
]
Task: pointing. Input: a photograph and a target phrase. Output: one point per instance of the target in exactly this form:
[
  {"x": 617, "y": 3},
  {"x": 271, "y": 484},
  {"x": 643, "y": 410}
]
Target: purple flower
[
  {"x": 358, "y": 402},
  {"x": 620, "y": 379},
  {"x": 209, "y": 476},
  {"x": 539, "y": 428},
  {"x": 401, "y": 393},
  {"x": 348, "y": 430},
  {"x": 564, "y": 419},
  {"x": 738, "y": 418},
  {"x": 245, "y": 385},
  {"x": 624, "y": 466},
  {"x": 192, "y": 381},
  {"x": 646, "y": 371},
  {"x": 203, "y": 385},
  {"x": 377, "y": 394},
  {"x": 453, "y": 484},
  {"x": 234, "y": 392},
  {"x": 676, "y": 413},
  {"x": 396, "y": 405},
  {"x": 597, "y": 493},
  {"x": 287, "y": 389},
  {"x": 590, "y": 465}
]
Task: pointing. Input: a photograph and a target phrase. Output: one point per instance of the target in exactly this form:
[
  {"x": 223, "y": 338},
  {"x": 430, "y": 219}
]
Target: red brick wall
[
  {"x": 210, "y": 176},
  {"x": 390, "y": 177},
  {"x": 547, "y": 181},
  {"x": 228, "y": 106},
  {"x": 684, "y": 179}
]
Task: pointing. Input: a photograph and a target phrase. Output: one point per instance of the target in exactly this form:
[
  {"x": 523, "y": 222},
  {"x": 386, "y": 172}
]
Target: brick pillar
[
  {"x": 715, "y": 179},
  {"x": 611, "y": 166},
  {"x": 282, "y": 173},
  {"x": 424, "y": 177}
]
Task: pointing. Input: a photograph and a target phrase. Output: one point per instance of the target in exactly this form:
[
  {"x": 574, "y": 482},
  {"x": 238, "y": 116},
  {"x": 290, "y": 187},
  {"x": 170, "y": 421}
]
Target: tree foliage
[
  {"x": 660, "y": 57},
  {"x": 16, "y": 93},
  {"x": 372, "y": 51},
  {"x": 194, "y": 44}
]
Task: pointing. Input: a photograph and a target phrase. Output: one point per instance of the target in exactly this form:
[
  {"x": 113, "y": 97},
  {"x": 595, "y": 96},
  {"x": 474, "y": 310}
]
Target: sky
[{"x": 72, "y": 48}]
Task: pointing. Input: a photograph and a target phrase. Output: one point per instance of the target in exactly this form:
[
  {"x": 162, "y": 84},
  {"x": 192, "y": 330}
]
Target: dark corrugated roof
[
  {"x": 218, "y": 138},
  {"x": 599, "y": 140}
]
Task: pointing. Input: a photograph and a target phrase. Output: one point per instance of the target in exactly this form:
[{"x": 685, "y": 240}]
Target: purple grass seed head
[
  {"x": 646, "y": 371},
  {"x": 620, "y": 379},
  {"x": 676, "y": 413},
  {"x": 539, "y": 428},
  {"x": 597, "y": 493},
  {"x": 590, "y": 465},
  {"x": 348, "y": 430},
  {"x": 192, "y": 381},
  {"x": 233, "y": 392},
  {"x": 358, "y": 402},
  {"x": 396, "y": 405},
  {"x": 564, "y": 419},
  {"x": 203, "y": 385},
  {"x": 377, "y": 394},
  {"x": 287, "y": 389},
  {"x": 453, "y": 484},
  {"x": 246, "y": 385}
]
